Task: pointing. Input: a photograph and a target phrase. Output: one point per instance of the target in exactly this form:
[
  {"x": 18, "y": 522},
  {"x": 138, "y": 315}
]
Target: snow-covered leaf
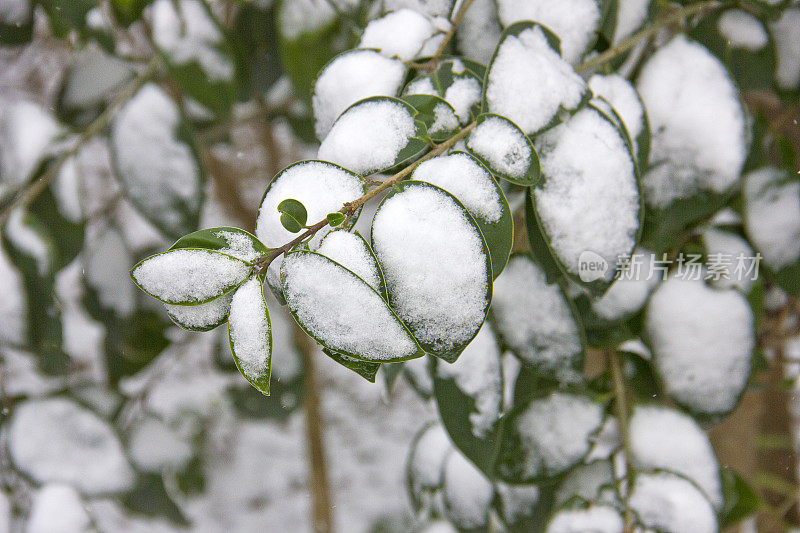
[
  {"x": 479, "y": 31},
  {"x": 227, "y": 240},
  {"x": 155, "y": 162},
  {"x": 666, "y": 502},
  {"x": 535, "y": 321},
  {"x": 402, "y": 34},
  {"x": 592, "y": 482},
  {"x": 203, "y": 317},
  {"x": 630, "y": 16},
  {"x": 575, "y": 22},
  {"x": 467, "y": 493},
  {"x": 665, "y": 439},
  {"x": 456, "y": 81},
  {"x": 250, "y": 334},
  {"x": 56, "y": 440},
  {"x": 548, "y": 436},
  {"x": 199, "y": 56},
  {"x": 466, "y": 178},
  {"x": 469, "y": 396},
  {"x": 438, "y": 116},
  {"x": 375, "y": 135},
  {"x": 354, "y": 253},
  {"x": 437, "y": 266},
  {"x": 425, "y": 464},
  {"x": 189, "y": 276},
  {"x": 786, "y": 31},
  {"x": 342, "y": 311},
  {"x": 57, "y": 507},
  {"x": 702, "y": 341},
  {"x": 595, "y": 518},
  {"x": 618, "y": 93},
  {"x": 772, "y": 222},
  {"x": 87, "y": 83},
  {"x": 588, "y": 204},
  {"x": 350, "y": 77},
  {"x": 699, "y": 137},
  {"x": 505, "y": 150},
  {"x": 321, "y": 187},
  {"x": 529, "y": 82}
]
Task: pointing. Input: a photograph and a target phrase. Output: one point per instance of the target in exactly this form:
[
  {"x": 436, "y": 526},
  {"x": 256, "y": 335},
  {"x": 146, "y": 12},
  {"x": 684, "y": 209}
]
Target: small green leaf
[
  {"x": 293, "y": 215},
  {"x": 739, "y": 499},
  {"x": 335, "y": 219},
  {"x": 365, "y": 369}
]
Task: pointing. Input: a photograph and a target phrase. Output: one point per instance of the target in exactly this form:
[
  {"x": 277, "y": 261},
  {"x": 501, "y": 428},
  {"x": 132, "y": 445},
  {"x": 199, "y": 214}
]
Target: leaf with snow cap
[
  {"x": 228, "y": 240},
  {"x": 320, "y": 186},
  {"x": 425, "y": 465},
  {"x": 505, "y": 150},
  {"x": 588, "y": 207},
  {"x": 365, "y": 369},
  {"x": 547, "y": 436},
  {"x": 156, "y": 163},
  {"x": 529, "y": 82},
  {"x": 456, "y": 81},
  {"x": 663, "y": 501},
  {"x": 469, "y": 396},
  {"x": 466, "y": 178},
  {"x": 438, "y": 116},
  {"x": 353, "y": 252},
  {"x": 699, "y": 138},
  {"x": 350, "y": 77},
  {"x": 576, "y": 22},
  {"x": 250, "y": 334},
  {"x": 189, "y": 276},
  {"x": 203, "y": 317},
  {"x": 582, "y": 516},
  {"x": 467, "y": 493},
  {"x": 437, "y": 266},
  {"x": 741, "y": 41},
  {"x": 196, "y": 49},
  {"x": 522, "y": 507},
  {"x": 403, "y": 33},
  {"x": 536, "y": 322},
  {"x": 772, "y": 223},
  {"x": 702, "y": 341},
  {"x": 343, "y": 312},
  {"x": 374, "y": 135},
  {"x": 87, "y": 83}
]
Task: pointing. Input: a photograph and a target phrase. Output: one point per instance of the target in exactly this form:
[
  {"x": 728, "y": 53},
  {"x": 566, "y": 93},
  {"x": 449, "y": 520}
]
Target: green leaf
[
  {"x": 365, "y": 369},
  {"x": 342, "y": 312},
  {"x": 250, "y": 334},
  {"x": 149, "y": 497},
  {"x": 431, "y": 258},
  {"x": 462, "y": 73},
  {"x": 293, "y": 215},
  {"x": 189, "y": 276},
  {"x": 335, "y": 219},
  {"x": 739, "y": 499},
  {"x": 472, "y": 416},
  {"x": 66, "y": 15},
  {"x": 255, "y": 41},
  {"x": 515, "y": 160},
  {"x": 156, "y": 162},
  {"x": 228, "y": 240},
  {"x": 438, "y": 116}
]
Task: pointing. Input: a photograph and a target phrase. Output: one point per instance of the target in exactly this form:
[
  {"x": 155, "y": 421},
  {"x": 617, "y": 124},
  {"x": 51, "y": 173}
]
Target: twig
[
  {"x": 35, "y": 187},
  {"x": 351, "y": 207},
  {"x": 633, "y": 40},
  {"x": 622, "y": 412},
  {"x": 432, "y": 63}
]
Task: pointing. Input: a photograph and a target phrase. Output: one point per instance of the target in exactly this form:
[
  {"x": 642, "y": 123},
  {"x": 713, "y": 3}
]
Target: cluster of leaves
[{"x": 440, "y": 152}]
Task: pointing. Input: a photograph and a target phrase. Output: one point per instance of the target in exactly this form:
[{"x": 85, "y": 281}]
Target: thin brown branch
[
  {"x": 668, "y": 20},
  {"x": 432, "y": 63},
  {"x": 351, "y": 207},
  {"x": 622, "y": 412}
]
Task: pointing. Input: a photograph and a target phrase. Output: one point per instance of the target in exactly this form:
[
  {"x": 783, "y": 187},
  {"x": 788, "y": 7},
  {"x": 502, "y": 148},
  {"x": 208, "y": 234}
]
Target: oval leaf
[
  {"x": 227, "y": 240},
  {"x": 505, "y": 150},
  {"x": 352, "y": 252},
  {"x": 437, "y": 266},
  {"x": 342, "y": 312},
  {"x": 250, "y": 334},
  {"x": 189, "y": 276}
]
